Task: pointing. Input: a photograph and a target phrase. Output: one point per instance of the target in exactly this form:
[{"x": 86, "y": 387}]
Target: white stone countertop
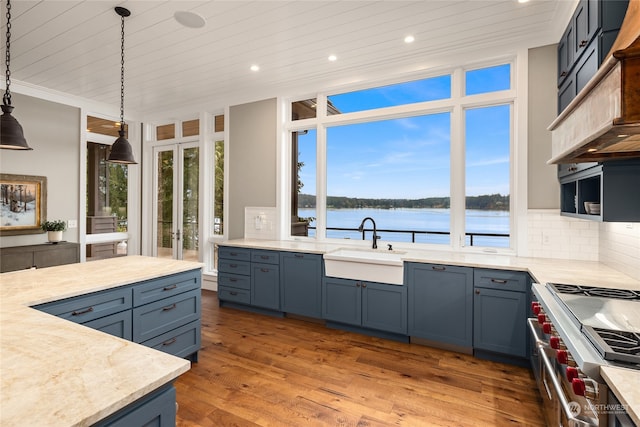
[
  {"x": 624, "y": 382},
  {"x": 55, "y": 372}
]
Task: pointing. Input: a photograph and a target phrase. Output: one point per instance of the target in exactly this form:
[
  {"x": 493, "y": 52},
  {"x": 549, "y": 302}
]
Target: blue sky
[{"x": 410, "y": 157}]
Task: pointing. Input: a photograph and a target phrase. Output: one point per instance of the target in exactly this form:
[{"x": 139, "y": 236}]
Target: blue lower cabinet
[
  {"x": 441, "y": 303},
  {"x": 157, "y": 409},
  {"x": 265, "y": 285},
  {"x": 500, "y": 321},
  {"x": 118, "y": 325},
  {"x": 371, "y": 305},
  {"x": 301, "y": 284}
]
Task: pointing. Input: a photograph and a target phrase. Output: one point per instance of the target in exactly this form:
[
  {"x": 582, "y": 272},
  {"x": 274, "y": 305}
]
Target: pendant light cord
[
  {"x": 122, "y": 76},
  {"x": 6, "y": 98}
]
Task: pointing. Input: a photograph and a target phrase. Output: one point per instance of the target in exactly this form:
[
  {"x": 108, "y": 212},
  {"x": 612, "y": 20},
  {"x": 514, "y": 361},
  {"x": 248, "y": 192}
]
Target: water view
[{"x": 405, "y": 221}]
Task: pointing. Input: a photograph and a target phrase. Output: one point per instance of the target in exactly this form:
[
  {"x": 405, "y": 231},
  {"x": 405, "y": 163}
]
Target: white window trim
[{"x": 456, "y": 105}]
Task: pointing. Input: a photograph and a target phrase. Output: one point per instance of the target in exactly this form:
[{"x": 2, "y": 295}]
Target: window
[
  {"x": 430, "y": 89},
  {"x": 107, "y": 192},
  {"x": 303, "y": 200},
  {"x": 218, "y": 189},
  {"x": 433, "y": 165}
]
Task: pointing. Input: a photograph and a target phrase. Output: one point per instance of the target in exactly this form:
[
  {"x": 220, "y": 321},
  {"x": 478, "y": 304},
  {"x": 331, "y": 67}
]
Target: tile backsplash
[
  {"x": 553, "y": 236},
  {"x": 620, "y": 247},
  {"x": 617, "y": 245}
]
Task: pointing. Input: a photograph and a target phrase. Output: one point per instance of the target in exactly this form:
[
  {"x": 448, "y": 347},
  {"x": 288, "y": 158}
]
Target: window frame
[{"x": 456, "y": 106}]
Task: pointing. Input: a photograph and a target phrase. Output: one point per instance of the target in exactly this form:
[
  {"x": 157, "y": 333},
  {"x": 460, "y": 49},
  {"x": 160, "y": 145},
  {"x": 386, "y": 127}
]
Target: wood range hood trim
[{"x": 603, "y": 121}]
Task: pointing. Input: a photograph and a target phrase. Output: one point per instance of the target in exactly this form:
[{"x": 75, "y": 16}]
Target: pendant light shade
[
  {"x": 121, "y": 151},
  {"x": 11, "y": 134}
]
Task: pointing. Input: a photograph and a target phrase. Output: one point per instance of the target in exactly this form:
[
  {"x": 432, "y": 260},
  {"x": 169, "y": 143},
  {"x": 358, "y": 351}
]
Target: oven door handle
[
  {"x": 534, "y": 331},
  {"x": 573, "y": 421}
]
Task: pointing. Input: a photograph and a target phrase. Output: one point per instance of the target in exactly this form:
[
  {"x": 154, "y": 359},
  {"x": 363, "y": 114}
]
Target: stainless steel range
[{"x": 576, "y": 330}]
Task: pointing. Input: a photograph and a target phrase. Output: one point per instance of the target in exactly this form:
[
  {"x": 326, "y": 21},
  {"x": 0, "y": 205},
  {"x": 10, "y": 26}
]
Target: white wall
[
  {"x": 53, "y": 131},
  {"x": 252, "y": 161}
]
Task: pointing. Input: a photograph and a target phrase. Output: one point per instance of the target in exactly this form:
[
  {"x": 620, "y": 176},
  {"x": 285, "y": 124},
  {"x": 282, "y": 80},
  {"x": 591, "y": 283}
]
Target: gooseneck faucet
[{"x": 375, "y": 233}]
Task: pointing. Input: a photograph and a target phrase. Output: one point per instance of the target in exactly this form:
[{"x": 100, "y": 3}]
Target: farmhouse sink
[{"x": 362, "y": 264}]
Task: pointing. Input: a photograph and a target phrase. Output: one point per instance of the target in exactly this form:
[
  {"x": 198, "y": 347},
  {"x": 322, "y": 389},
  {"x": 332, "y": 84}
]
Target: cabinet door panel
[
  {"x": 92, "y": 306},
  {"x": 162, "y": 316},
  {"x": 265, "y": 286},
  {"x": 180, "y": 342},
  {"x": 441, "y": 303},
  {"x": 384, "y": 307},
  {"x": 342, "y": 301},
  {"x": 234, "y": 254},
  {"x": 118, "y": 325},
  {"x": 165, "y": 287},
  {"x": 500, "y": 321},
  {"x": 301, "y": 284}
]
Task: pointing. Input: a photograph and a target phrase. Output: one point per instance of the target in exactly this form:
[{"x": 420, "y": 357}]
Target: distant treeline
[{"x": 486, "y": 202}]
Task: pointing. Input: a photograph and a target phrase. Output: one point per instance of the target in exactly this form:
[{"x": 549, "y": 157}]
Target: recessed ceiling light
[
  {"x": 255, "y": 68},
  {"x": 523, "y": 1},
  {"x": 623, "y": 135},
  {"x": 189, "y": 19},
  {"x": 332, "y": 58},
  {"x": 409, "y": 39},
  {"x": 592, "y": 150}
]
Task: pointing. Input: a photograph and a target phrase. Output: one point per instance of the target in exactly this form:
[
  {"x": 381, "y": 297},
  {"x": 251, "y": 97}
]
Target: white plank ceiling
[{"x": 74, "y": 46}]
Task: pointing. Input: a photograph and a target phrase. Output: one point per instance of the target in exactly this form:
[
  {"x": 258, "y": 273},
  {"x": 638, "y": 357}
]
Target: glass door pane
[
  {"x": 165, "y": 204},
  {"x": 190, "y": 203}
]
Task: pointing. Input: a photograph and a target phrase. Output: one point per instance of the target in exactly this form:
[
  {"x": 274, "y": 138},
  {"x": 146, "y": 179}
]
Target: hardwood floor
[{"x": 257, "y": 370}]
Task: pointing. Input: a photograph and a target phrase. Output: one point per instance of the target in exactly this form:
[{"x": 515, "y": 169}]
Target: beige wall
[
  {"x": 252, "y": 160},
  {"x": 542, "y": 182},
  {"x": 53, "y": 131}
]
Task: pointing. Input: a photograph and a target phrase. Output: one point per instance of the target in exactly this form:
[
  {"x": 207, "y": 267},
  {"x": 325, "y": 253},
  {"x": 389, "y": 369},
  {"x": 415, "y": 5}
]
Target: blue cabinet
[
  {"x": 378, "y": 306},
  {"x": 441, "y": 303},
  {"x": 152, "y": 312},
  {"x": 157, "y": 409},
  {"x": 250, "y": 277},
  {"x": 500, "y": 311},
  {"x": 301, "y": 284}
]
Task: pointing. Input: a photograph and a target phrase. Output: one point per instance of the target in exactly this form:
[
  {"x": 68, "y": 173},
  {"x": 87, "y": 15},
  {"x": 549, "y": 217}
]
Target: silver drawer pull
[
  {"x": 499, "y": 281},
  {"x": 169, "y": 342},
  {"x": 170, "y": 307},
  {"x": 264, "y": 270},
  {"x": 78, "y": 313},
  {"x": 169, "y": 288}
]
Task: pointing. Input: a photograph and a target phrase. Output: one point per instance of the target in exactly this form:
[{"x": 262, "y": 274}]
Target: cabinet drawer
[
  {"x": 158, "y": 289},
  {"x": 158, "y": 408},
  {"x": 265, "y": 257},
  {"x": 159, "y": 317},
  {"x": 90, "y": 307},
  {"x": 118, "y": 325},
  {"x": 234, "y": 281},
  {"x": 497, "y": 279},
  {"x": 235, "y": 267},
  {"x": 234, "y": 294},
  {"x": 238, "y": 254},
  {"x": 180, "y": 342}
]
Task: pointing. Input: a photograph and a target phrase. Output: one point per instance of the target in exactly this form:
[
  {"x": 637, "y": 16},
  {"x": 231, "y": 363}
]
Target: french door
[{"x": 176, "y": 201}]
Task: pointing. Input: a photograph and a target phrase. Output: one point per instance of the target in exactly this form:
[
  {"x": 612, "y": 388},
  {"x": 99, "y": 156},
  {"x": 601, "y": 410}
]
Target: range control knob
[
  {"x": 542, "y": 318},
  {"x": 562, "y": 356},
  {"x": 554, "y": 342},
  {"x": 547, "y": 328},
  {"x": 535, "y": 307},
  {"x": 579, "y": 387},
  {"x": 572, "y": 373}
]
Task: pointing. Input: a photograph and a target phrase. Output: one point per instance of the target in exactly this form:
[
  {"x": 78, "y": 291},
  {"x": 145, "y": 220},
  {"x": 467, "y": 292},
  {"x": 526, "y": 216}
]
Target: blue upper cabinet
[
  {"x": 441, "y": 303},
  {"x": 301, "y": 284}
]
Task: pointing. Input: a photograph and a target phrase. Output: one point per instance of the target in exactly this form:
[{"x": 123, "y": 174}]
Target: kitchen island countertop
[
  {"x": 624, "y": 382},
  {"x": 58, "y": 373}
]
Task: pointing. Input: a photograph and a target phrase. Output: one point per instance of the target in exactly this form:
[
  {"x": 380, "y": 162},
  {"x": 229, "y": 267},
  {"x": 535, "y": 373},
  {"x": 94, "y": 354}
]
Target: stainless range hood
[{"x": 603, "y": 121}]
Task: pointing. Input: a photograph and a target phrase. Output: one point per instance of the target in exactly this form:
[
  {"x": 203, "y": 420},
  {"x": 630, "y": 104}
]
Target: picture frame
[{"x": 23, "y": 204}]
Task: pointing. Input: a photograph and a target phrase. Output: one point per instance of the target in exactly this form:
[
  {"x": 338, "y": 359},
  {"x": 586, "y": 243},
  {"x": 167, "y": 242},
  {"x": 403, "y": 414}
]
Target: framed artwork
[{"x": 23, "y": 204}]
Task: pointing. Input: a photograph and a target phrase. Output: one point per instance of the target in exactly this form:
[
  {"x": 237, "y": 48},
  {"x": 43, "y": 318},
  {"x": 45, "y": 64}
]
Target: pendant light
[
  {"x": 11, "y": 135},
  {"x": 121, "y": 151}
]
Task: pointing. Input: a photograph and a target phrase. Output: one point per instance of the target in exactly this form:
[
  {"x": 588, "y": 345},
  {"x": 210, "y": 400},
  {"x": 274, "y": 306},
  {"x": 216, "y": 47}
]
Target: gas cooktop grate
[
  {"x": 619, "y": 346},
  {"x": 592, "y": 291}
]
